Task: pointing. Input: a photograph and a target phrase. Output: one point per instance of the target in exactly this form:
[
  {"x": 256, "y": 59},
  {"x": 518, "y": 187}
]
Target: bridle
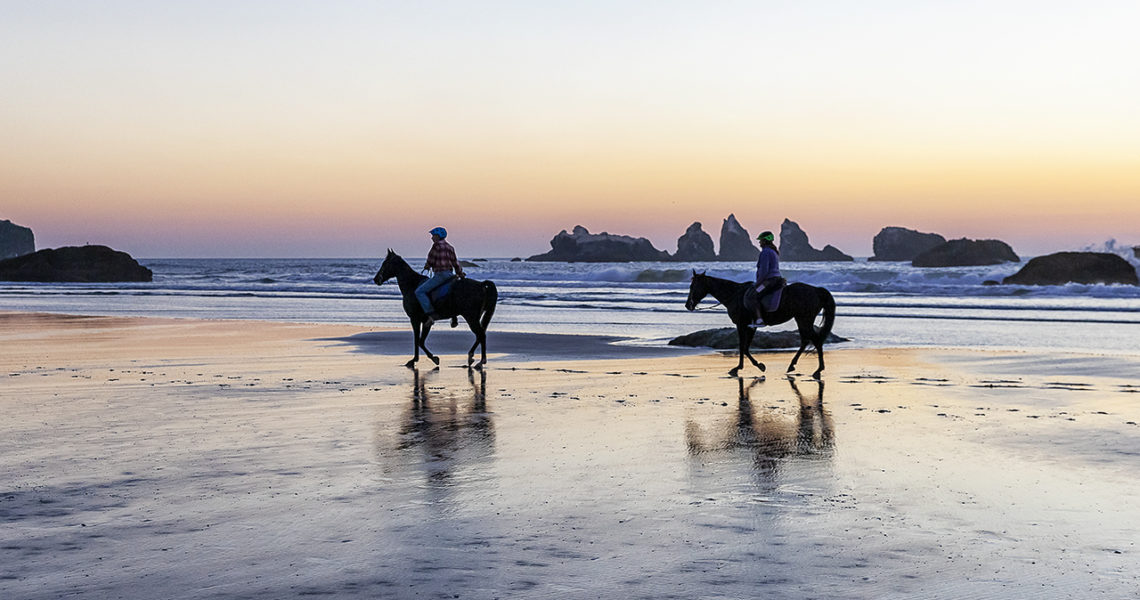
[{"x": 710, "y": 307}]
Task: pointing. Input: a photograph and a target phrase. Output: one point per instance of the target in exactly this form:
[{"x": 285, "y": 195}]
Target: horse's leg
[
  {"x": 415, "y": 344},
  {"x": 741, "y": 333},
  {"x": 423, "y": 343},
  {"x": 482, "y": 334},
  {"x": 473, "y": 323},
  {"x": 749, "y": 334},
  {"x": 803, "y": 344},
  {"x": 806, "y": 335},
  {"x": 818, "y": 340}
]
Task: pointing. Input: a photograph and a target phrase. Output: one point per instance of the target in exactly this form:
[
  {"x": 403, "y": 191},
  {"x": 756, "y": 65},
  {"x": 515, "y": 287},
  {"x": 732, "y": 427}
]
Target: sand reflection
[
  {"x": 444, "y": 432},
  {"x": 768, "y": 436}
]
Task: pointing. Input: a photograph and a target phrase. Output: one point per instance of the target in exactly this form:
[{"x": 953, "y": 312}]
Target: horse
[
  {"x": 473, "y": 300},
  {"x": 800, "y": 301}
]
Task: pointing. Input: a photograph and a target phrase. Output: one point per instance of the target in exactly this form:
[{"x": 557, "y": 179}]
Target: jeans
[{"x": 426, "y": 287}]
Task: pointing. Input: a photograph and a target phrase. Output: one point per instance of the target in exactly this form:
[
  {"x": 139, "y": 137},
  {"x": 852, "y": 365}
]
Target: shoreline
[{"x": 200, "y": 459}]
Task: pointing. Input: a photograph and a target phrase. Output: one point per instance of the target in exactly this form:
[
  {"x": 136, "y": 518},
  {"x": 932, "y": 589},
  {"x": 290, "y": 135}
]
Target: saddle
[
  {"x": 768, "y": 302},
  {"x": 441, "y": 292}
]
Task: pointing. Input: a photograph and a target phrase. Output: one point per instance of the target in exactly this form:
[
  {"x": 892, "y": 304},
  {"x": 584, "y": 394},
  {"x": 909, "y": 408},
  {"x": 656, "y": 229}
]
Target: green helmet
[{"x": 767, "y": 236}]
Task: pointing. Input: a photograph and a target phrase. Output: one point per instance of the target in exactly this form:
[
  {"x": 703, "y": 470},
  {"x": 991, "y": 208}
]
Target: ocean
[{"x": 879, "y": 304}]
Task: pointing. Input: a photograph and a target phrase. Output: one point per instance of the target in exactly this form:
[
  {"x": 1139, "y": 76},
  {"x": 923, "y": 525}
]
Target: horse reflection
[
  {"x": 452, "y": 431},
  {"x": 769, "y": 436}
]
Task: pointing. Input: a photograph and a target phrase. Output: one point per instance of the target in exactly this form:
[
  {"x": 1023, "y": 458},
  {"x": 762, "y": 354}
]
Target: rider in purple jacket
[{"x": 768, "y": 276}]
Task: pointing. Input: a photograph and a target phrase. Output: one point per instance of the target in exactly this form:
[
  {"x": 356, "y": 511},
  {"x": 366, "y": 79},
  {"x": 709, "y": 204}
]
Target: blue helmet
[{"x": 441, "y": 232}]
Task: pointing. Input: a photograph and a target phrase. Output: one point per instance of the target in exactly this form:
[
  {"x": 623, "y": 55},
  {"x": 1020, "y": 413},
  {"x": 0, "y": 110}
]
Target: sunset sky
[{"x": 285, "y": 128}]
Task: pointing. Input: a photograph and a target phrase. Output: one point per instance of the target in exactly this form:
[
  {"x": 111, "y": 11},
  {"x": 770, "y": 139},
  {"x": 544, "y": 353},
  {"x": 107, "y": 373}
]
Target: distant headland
[
  {"x": 736, "y": 244},
  {"x": 891, "y": 244}
]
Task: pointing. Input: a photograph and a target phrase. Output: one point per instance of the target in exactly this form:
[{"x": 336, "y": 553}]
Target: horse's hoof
[
  {"x": 791, "y": 368},
  {"x": 479, "y": 367},
  {"x": 734, "y": 372},
  {"x": 434, "y": 359},
  {"x": 411, "y": 364},
  {"x": 815, "y": 376},
  {"x": 762, "y": 368}
]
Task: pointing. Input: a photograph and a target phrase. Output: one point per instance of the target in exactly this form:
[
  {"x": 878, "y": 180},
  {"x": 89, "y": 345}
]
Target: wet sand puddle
[{"x": 583, "y": 481}]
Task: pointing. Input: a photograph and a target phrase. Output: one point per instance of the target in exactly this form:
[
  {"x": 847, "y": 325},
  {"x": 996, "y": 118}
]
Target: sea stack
[
  {"x": 695, "y": 245},
  {"x": 583, "y": 246},
  {"x": 966, "y": 253},
  {"x": 901, "y": 244},
  {"x": 735, "y": 242},
  {"x": 15, "y": 240},
  {"x": 75, "y": 264},
  {"x": 794, "y": 246},
  {"x": 1075, "y": 267}
]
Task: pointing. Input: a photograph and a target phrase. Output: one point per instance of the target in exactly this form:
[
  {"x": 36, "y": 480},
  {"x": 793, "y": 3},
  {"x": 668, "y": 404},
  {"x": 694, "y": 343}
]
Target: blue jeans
[{"x": 426, "y": 287}]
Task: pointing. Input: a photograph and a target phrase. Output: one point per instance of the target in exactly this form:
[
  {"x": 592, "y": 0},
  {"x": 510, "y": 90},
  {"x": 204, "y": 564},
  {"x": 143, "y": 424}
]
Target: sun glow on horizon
[{"x": 208, "y": 128}]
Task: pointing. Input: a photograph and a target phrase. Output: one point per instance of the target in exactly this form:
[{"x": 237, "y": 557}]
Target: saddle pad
[
  {"x": 441, "y": 291},
  {"x": 772, "y": 301}
]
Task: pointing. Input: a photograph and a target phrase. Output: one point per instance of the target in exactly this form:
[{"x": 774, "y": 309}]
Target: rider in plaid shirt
[{"x": 441, "y": 261}]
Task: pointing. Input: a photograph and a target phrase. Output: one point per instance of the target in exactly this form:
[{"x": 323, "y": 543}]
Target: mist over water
[{"x": 879, "y": 304}]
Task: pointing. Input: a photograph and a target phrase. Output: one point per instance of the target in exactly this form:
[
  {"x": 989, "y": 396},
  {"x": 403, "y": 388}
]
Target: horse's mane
[
  {"x": 720, "y": 279},
  {"x": 392, "y": 254}
]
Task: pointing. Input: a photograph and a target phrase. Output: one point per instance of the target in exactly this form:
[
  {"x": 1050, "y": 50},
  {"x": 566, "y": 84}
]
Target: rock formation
[
  {"x": 15, "y": 240},
  {"x": 583, "y": 246},
  {"x": 736, "y": 242},
  {"x": 695, "y": 245},
  {"x": 966, "y": 253},
  {"x": 86, "y": 264},
  {"x": 901, "y": 244},
  {"x": 725, "y": 338},
  {"x": 794, "y": 246},
  {"x": 1075, "y": 267}
]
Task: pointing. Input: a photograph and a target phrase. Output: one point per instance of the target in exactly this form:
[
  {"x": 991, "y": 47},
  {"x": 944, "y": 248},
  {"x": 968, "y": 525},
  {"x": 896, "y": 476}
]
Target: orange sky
[{"x": 298, "y": 130}]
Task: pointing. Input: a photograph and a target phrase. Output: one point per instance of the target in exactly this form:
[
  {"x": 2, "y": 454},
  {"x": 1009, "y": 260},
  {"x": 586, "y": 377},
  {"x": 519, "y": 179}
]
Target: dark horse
[
  {"x": 470, "y": 299},
  {"x": 800, "y": 301}
]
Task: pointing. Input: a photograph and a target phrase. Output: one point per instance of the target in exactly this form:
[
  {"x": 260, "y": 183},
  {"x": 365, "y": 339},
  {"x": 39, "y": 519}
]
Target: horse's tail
[
  {"x": 828, "y": 302},
  {"x": 490, "y": 299}
]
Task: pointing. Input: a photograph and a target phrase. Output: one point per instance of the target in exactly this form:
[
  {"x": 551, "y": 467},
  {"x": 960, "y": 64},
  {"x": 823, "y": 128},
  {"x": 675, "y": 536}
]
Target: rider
[
  {"x": 441, "y": 261},
  {"x": 768, "y": 277}
]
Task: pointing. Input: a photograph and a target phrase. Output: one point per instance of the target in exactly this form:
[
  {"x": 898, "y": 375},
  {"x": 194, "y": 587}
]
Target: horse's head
[
  {"x": 388, "y": 268},
  {"x": 698, "y": 289}
]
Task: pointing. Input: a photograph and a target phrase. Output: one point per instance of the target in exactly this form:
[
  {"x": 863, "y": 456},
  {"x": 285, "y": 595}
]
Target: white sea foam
[{"x": 879, "y": 303}]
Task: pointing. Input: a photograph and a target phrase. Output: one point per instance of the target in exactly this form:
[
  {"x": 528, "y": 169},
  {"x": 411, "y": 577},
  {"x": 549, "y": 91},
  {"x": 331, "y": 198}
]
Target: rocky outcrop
[
  {"x": 735, "y": 242},
  {"x": 1075, "y": 267},
  {"x": 901, "y": 244},
  {"x": 725, "y": 338},
  {"x": 583, "y": 246},
  {"x": 794, "y": 246},
  {"x": 15, "y": 240},
  {"x": 85, "y": 264},
  {"x": 966, "y": 253},
  {"x": 695, "y": 245}
]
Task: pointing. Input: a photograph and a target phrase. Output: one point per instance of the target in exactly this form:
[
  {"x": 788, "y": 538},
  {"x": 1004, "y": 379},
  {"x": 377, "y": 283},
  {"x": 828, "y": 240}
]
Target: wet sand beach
[{"x": 151, "y": 458}]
